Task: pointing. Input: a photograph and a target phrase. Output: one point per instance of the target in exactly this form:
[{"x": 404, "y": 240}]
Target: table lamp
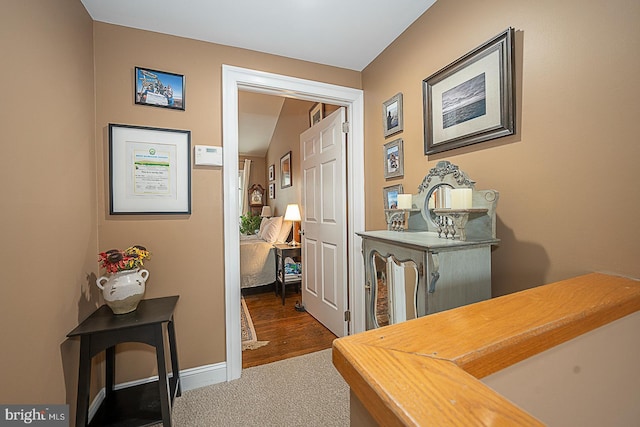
[
  {"x": 293, "y": 214},
  {"x": 266, "y": 212}
]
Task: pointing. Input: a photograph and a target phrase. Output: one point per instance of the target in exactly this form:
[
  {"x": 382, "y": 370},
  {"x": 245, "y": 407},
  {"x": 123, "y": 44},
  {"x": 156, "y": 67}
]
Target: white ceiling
[{"x": 342, "y": 33}]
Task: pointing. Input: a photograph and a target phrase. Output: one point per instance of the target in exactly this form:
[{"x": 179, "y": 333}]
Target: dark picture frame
[
  {"x": 394, "y": 159},
  {"x": 392, "y": 116},
  {"x": 150, "y": 170},
  {"x": 272, "y": 190},
  {"x": 472, "y": 99},
  {"x": 390, "y": 196},
  {"x": 286, "y": 177},
  {"x": 159, "y": 89},
  {"x": 316, "y": 113},
  {"x": 272, "y": 173}
]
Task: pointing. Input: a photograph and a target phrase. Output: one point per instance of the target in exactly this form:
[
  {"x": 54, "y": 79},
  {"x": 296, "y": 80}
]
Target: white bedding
[{"x": 257, "y": 262}]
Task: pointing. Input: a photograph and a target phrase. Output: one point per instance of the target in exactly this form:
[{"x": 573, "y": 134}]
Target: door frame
[{"x": 234, "y": 79}]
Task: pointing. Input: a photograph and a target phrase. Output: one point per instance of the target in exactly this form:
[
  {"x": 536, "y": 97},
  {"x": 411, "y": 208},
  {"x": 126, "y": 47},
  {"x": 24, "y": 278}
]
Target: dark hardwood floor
[{"x": 290, "y": 333}]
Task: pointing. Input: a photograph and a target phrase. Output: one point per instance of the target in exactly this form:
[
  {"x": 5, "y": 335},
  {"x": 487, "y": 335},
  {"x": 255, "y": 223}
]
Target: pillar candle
[
  {"x": 404, "y": 201},
  {"x": 461, "y": 198}
]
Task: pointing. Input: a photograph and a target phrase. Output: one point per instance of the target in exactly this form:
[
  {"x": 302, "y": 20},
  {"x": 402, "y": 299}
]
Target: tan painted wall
[
  {"x": 293, "y": 120},
  {"x": 568, "y": 178},
  {"x": 48, "y": 190},
  {"x": 187, "y": 249}
]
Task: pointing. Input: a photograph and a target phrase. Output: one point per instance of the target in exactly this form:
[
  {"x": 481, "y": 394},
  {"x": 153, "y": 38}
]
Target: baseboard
[{"x": 190, "y": 379}]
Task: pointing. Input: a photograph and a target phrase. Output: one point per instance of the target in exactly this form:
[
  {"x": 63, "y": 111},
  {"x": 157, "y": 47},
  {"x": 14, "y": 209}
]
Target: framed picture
[
  {"x": 316, "y": 113},
  {"x": 272, "y": 190},
  {"x": 272, "y": 172},
  {"x": 285, "y": 171},
  {"x": 471, "y": 100},
  {"x": 393, "y": 159},
  {"x": 392, "y": 115},
  {"x": 159, "y": 88},
  {"x": 150, "y": 170},
  {"x": 391, "y": 196}
]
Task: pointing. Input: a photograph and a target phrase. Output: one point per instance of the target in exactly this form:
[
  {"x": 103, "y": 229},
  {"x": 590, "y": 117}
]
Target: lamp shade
[
  {"x": 292, "y": 213},
  {"x": 266, "y": 211}
]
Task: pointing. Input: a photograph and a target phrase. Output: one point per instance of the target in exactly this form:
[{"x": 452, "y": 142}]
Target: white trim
[
  {"x": 234, "y": 78},
  {"x": 190, "y": 379}
]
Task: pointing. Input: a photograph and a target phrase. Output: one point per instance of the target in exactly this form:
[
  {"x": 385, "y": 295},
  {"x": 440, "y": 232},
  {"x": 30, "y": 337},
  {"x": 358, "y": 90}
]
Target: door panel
[{"x": 324, "y": 212}]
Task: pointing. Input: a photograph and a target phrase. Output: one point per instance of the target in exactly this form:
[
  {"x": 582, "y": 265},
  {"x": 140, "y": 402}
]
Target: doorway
[{"x": 233, "y": 79}]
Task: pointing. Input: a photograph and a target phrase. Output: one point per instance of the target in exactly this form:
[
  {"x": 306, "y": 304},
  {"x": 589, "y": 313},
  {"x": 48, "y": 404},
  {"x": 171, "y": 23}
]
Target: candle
[
  {"x": 461, "y": 198},
  {"x": 404, "y": 201}
]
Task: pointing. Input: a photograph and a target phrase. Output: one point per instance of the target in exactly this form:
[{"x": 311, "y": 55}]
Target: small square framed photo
[
  {"x": 272, "y": 190},
  {"x": 316, "y": 114},
  {"x": 390, "y": 195},
  {"x": 159, "y": 88},
  {"x": 272, "y": 173},
  {"x": 394, "y": 159},
  {"x": 392, "y": 115}
]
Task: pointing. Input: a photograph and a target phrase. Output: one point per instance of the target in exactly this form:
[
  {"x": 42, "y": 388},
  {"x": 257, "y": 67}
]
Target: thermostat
[{"x": 207, "y": 155}]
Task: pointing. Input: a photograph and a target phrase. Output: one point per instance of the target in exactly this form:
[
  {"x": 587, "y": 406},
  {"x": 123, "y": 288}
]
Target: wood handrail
[{"x": 426, "y": 371}]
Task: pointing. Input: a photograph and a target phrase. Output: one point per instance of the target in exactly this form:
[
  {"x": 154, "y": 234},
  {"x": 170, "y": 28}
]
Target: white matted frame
[
  {"x": 150, "y": 170},
  {"x": 472, "y": 99},
  {"x": 233, "y": 79}
]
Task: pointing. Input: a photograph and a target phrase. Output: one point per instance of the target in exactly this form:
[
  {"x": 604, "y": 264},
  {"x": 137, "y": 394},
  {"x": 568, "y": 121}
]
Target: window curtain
[{"x": 246, "y": 173}]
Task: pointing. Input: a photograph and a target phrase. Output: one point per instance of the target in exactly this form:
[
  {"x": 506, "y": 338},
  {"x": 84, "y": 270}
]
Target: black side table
[
  {"x": 137, "y": 405},
  {"x": 283, "y": 251}
]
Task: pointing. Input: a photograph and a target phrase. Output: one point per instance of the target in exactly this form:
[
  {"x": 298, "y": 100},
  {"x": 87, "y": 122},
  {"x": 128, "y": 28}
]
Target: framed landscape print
[
  {"x": 393, "y": 159},
  {"x": 392, "y": 115},
  {"x": 471, "y": 100},
  {"x": 159, "y": 88}
]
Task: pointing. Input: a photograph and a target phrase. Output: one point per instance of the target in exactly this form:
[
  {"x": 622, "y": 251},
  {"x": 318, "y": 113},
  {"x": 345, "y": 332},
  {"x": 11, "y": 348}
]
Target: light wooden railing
[{"x": 426, "y": 371}]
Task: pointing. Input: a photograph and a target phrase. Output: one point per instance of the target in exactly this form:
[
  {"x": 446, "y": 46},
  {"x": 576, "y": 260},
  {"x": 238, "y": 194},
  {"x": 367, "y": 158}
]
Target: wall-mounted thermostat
[{"x": 207, "y": 155}]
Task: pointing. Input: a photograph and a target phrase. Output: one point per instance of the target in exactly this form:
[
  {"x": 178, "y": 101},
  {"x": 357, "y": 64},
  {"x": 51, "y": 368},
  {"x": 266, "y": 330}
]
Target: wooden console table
[{"x": 138, "y": 405}]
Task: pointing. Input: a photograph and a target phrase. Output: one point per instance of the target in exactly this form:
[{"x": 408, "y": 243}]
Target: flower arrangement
[{"x": 115, "y": 260}]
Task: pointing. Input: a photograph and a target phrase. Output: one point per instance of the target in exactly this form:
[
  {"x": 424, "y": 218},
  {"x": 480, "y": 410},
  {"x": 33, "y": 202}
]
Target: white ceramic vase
[{"x": 122, "y": 291}]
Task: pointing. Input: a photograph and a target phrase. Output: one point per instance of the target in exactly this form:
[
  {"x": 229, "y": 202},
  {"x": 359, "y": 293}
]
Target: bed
[{"x": 257, "y": 256}]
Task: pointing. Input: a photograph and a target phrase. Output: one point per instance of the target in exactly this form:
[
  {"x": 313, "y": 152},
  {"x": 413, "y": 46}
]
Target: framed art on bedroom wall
[{"x": 286, "y": 179}]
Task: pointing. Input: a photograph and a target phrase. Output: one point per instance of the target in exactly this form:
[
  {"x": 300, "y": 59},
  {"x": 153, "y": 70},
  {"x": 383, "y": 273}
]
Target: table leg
[
  {"x": 175, "y": 366},
  {"x": 110, "y": 369},
  {"x": 163, "y": 380},
  {"x": 84, "y": 381}
]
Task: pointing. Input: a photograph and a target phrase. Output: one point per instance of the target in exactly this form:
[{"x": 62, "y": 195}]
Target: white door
[{"x": 324, "y": 221}]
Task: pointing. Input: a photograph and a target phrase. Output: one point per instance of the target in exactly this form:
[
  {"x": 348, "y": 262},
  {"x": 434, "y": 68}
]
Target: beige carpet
[
  {"x": 301, "y": 391},
  {"x": 249, "y": 337}
]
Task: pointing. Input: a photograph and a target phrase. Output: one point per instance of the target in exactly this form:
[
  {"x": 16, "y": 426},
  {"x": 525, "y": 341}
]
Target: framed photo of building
[
  {"x": 472, "y": 99},
  {"x": 392, "y": 115},
  {"x": 159, "y": 88}
]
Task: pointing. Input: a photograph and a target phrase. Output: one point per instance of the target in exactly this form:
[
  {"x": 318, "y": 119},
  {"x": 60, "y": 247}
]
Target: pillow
[
  {"x": 284, "y": 231},
  {"x": 263, "y": 224},
  {"x": 271, "y": 229}
]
